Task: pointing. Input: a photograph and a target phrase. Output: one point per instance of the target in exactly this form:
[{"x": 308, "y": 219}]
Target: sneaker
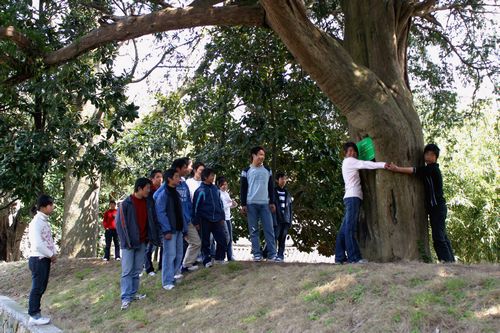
[
  {"x": 38, "y": 321},
  {"x": 138, "y": 297},
  {"x": 192, "y": 268},
  {"x": 168, "y": 287},
  {"x": 151, "y": 273},
  {"x": 361, "y": 261},
  {"x": 178, "y": 276},
  {"x": 118, "y": 259},
  {"x": 257, "y": 258},
  {"x": 208, "y": 264},
  {"x": 277, "y": 259},
  {"x": 125, "y": 305},
  {"x": 220, "y": 262},
  {"x": 105, "y": 259}
]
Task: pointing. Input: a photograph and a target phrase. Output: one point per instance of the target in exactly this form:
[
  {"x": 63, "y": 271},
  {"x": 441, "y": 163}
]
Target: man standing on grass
[
  {"x": 42, "y": 254},
  {"x": 156, "y": 178},
  {"x": 110, "y": 235},
  {"x": 136, "y": 225},
  {"x": 257, "y": 201}
]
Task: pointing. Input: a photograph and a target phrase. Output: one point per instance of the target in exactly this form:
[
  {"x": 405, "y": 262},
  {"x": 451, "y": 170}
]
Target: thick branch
[
  {"x": 160, "y": 21},
  {"x": 22, "y": 41},
  {"x": 204, "y": 3}
]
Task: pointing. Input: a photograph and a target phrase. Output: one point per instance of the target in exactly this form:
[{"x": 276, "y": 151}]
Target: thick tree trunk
[
  {"x": 366, "y": 81},
  {"x": 12, "y": 229},
  {"x": 80, "y": 218}
]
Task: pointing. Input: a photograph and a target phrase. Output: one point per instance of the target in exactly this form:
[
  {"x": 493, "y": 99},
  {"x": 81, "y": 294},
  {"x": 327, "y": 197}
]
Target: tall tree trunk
[
  {"x": 371, "y": 90},
  {"x": 12, "y": 229},
  {"x": 80, "y": 218}
]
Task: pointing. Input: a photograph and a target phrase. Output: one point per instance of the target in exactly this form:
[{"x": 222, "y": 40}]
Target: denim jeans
[
  {"x": 281, "y": 233},
  {"x": 172, "y": 257},
  {"x": 345, "y": 238},
  {"x": 217, "y": 230},
  {"x": 132, "y": 262},
  {"x": 229, "y": 238},
  {"x": 111, "y": 235},
  {"x": 40, "y": 270},
  {"x": 442, "y": 244},
  {"x": 262, "y": 211}
]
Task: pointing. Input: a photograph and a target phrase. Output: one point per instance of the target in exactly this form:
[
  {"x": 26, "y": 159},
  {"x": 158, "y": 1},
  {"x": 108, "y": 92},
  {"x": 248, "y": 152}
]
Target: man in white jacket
[
  {"x": 42, "y": 253},
  {"x": 352, "y": 200}
]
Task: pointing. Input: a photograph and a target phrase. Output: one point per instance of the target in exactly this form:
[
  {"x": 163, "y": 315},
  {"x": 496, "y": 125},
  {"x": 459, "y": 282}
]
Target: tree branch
[
  {"x": 18, "y": 38},
  {"x": 204, "y": 3}
]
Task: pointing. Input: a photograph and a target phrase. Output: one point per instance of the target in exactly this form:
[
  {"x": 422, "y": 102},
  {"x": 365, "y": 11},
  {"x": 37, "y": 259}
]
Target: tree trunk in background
[
  {"x": 80, "y": 232},
  {"x": 81, "y": 217},
  {"x": 366, "y": 79},
  {"x": 12, "y": 229}
]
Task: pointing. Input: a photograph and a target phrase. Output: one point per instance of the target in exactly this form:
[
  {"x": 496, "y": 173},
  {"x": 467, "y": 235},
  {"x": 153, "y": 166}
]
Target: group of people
[{"x": 166, "y": 209}]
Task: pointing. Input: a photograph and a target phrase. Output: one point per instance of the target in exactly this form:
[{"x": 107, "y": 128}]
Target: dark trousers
[
  {"x": 111, "y": 235},
  {"x": 148, "y": 257},
  {"x": 345, "y": 241},
  {"x": 281, "y": 232},
  {"x": 218, "y": 231},
  {"x": 40, "y": 269},
  {"x": 442, "y": 244}
]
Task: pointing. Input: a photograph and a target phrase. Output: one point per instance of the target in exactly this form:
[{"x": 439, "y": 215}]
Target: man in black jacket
[{"x": 136, "y": 224}]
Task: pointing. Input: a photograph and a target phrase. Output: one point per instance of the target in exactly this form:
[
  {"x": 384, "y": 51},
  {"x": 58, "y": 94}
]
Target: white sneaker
[
  {"x": 151, "y": 273},
  {"x": 125, "y": 305},
  {"x": 168, "y": 287},
  {"x": 220, "y": 262},
  {"x": 178, "y": 276},
  {"x": 192, "y": 268},
  {"x": 208, "y": 264},
  {"x": 38, "y": 321},
  {"x": 362, "y": 261}
]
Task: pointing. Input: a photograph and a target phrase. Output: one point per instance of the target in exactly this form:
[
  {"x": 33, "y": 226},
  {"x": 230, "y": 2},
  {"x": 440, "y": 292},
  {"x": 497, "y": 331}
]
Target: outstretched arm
[{"x": 394, "y": 168}]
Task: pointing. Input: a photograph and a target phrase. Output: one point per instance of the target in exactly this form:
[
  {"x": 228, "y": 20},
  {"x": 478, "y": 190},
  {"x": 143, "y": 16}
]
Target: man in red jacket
[{"x": 110, "y": 233}]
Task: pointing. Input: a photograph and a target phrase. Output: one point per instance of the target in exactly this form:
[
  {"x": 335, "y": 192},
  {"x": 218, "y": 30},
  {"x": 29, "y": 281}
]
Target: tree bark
[
  {"x": 12, "y": 229},
  {"x": 366, "y": 81}
]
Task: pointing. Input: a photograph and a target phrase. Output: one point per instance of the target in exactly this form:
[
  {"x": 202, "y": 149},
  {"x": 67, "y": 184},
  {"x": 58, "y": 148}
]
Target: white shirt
[
  {"x": 40, "y": 237},
  {"x": 193, "y": 185},
  {"x": 227, "y": 203},
  {"x": 350, "y": 173}
]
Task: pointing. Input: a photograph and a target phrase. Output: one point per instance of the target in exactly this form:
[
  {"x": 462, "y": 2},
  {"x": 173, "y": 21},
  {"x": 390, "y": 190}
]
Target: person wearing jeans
[
  {"x": 173, "y": 227},
  {"x": 257, "y": 202},
  {"x": 228, "y": 203},
  {"x": 42, "y": 254},
  {"x": 346, "y": 241},
  {"x": 136, "y": 224},
  {"x": 156, "y": 178},
  {"x": 208, "y": 211}
]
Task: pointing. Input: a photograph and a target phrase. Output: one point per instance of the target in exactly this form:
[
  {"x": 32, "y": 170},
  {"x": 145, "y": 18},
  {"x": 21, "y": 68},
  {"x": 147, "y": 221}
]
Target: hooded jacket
[
  {"x": 165, "y": 210},
  {"x": 127, "y": 228}
]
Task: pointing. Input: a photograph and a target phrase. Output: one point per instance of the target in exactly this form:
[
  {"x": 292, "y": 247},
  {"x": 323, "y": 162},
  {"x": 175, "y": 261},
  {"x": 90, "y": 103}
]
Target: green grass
[{"x": 84, "y": 296}]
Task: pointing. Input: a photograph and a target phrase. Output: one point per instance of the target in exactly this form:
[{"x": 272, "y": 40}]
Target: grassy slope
[{"x": 83, "y": 296}]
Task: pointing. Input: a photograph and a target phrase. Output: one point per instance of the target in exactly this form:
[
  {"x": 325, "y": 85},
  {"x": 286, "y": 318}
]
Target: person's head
[
  {"x": 431, "y": 153},
  {"x": 281, "y": 178},
  {"x": 182, "y": 165},
  {"x": 222, "y": 183},
  {"x": 142, "y": 188},
  {"x": 45, "y": 204},
  {"x": 156, "y": 177},
  {"x": 112, "y": 204},
  {"x": 198, "y": 168},
  {"x": 350, "y": 150},
  {"x": 257, "y": 155},
  {"x": 208, "y": 176},
  {"x": 172, "y": 177}
]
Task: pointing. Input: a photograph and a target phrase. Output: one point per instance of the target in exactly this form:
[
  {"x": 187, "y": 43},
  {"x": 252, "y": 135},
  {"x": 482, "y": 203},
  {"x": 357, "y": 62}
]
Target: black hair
[
  {"x": 169, "y": 174},
  {"x": 180, "y": 163},
  {"x": 432, "y": 147},
  {"x": 255, "y": 151},
  {"x": 221, "y": 180},
  {"x": 207, "y": 172},
  {"x": 112, "y": 201},
  {"x": 140, "y": 183},
  {"x": 280, "y": 175},
  {"x": 350, "y": 144},
  {"x": 43, "y": 201},
  {"x": 198, "y": 164},
  {"x": 153, "y": 173}
]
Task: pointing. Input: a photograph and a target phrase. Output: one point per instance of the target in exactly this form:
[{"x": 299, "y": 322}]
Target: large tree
[{"x": 363, "y": 70}]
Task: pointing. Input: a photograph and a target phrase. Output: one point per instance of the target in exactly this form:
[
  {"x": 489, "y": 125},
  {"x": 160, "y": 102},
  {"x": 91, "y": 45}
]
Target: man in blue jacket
[
  {"x": 136, "y": 224},
  {"x": 173, "y": 227},
  {"x": 208, "y": 211}
]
